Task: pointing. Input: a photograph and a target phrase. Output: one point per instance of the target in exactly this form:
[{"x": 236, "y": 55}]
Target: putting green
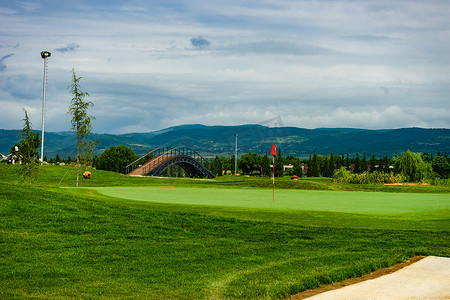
[{"x": 336, "y": 201}]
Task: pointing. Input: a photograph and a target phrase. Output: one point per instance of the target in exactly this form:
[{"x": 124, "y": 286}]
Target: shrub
[{"x": 343, "y": 175}]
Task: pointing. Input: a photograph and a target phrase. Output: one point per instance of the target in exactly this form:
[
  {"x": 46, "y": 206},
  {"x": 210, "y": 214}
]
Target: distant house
[{"x": 290, "y": 166}]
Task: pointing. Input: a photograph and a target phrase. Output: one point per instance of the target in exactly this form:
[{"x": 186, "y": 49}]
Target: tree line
[
  {"x": 413, "y": 167},
  {"x": 409, "y": 166}
]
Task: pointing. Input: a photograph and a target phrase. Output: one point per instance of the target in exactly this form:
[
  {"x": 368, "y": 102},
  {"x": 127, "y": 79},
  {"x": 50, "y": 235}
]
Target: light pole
[
  {"x": 44, "y": 55},
  {"x": 235, "y": 155}
]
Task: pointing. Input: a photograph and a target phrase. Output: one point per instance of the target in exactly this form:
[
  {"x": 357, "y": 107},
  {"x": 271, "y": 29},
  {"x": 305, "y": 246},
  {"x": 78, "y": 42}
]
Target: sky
[{"x": 149, "y": 65}]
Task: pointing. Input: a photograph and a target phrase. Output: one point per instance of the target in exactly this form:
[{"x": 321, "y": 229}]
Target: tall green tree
[
  {"x": 331, "y": 165},
  {"x": 250, "y": 162},
  {"x": 326, "y": 167},
  {"x": 225, "y": 162},
  {"x": 28, "y": 150},
  {"x": 441, "y": 166},
  {"x": 265, "y": 165},
  {"x": 338, "y": 162},
  {"x": 357, "y": 165},
  {"x": 426, "y": 157},
  {"x": 81, "y": 121},
  {"x": 373, "y": 163},
  {"x": 279, "y": 162},
  {"x": 298, "y": 168},
  {"x": 411, "y": 166},
  {"x": 116, "y": 158},
  {"x": 216, "y": 166},
  {"x": 314, "y": 167},
  {"x": 364, "y": 163}
]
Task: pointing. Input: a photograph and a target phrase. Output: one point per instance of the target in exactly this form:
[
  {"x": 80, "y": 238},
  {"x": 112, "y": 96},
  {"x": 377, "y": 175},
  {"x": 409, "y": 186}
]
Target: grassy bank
[
  {"x": 65, "y": 176},
  {"x": 78, "y": 243}
]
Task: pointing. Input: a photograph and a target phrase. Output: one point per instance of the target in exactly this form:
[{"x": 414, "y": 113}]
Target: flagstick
[{"x": 273, "y": 178}]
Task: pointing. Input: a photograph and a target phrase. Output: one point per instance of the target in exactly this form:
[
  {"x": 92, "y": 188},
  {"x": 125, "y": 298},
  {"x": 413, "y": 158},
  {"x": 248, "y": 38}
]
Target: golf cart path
[{"x": 427, "y": 278}]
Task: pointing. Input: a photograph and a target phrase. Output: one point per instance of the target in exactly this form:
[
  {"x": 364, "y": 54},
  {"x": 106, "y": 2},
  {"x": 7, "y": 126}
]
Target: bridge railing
[
  {"x": 155, "y": 158},
  {"x": 145, "y": 158},
  {"x": 170, "y": 153}
]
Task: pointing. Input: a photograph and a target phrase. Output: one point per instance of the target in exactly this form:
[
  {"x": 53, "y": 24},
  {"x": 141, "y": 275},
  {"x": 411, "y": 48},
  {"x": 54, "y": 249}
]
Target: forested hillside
[{"x": 220, "y": 140}]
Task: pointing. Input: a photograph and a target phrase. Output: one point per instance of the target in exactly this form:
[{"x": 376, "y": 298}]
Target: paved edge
[{"x": 350, "y": 281}]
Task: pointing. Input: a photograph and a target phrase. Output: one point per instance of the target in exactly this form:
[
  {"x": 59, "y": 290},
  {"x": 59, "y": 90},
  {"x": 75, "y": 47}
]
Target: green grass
[
  {"x": 65, "y": 176},
  {"x": 335, "y": 201},
  {"x": 79, "y": 243}
]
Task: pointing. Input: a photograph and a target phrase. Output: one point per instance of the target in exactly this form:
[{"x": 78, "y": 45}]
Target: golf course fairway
[{"x": 334, "y": 201}]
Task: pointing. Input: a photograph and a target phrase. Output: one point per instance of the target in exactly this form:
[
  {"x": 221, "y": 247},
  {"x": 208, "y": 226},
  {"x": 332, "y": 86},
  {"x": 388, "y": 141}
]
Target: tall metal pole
[
  {"x": 235, "y": 156},
  {"x": 44, "y": 55}
]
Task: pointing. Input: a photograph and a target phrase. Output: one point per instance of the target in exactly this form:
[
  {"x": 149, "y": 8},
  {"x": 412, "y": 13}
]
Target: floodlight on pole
[
  {"x": 235, "y": 155},
  {"x": 44, "y": 55}
]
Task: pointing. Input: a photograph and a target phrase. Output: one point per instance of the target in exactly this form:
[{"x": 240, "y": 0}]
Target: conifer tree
[
  {"x": 279, "y": 161},
  {"x": 357, "y": 165},
  {"x": 298, "y": 168},
  {"x": 81, "y": 121},
  {"x": 314, "y": 167},
  {"x": 28, "y": 150}
]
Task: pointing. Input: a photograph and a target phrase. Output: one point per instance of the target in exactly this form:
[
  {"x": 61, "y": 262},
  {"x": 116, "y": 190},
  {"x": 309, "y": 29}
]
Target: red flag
[{"x": 274, "y": 150}]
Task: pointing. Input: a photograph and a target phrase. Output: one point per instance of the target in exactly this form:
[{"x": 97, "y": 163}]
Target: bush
[{"x": 343, "y": 175}]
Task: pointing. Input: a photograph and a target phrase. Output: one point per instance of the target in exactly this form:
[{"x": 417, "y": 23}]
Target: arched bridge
[{"x": 155, "y": 162}]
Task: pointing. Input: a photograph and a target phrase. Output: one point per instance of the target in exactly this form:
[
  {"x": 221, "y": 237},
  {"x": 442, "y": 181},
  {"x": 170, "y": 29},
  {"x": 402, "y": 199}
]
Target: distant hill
[{"x": 219, "y": 140}]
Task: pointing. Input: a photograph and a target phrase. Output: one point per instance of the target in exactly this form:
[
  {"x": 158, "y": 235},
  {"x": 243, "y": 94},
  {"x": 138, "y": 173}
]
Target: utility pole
[
  {"x": 235, "y": 155},
  {"x": 44, "y": 55}
]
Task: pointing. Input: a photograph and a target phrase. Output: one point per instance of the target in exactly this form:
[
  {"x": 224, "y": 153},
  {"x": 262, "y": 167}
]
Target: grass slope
[
  {"x": 65, "y": 176},
  {"x": 77, "y": 243}
]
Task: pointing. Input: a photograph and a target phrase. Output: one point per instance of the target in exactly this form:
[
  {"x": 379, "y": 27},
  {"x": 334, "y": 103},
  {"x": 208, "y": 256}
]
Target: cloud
[
  {"x": 11, "y": 113},
  {"x": 234, "y": 62},
  {"x": 200, "y": 42},
  {"x": 10, "y": 46},
  {"x": 385, "y": 90},
  {"x": 30, "y": 6},
  {"x": 69, "y": 48},
  {"x": 373, "y": 38},
  {"x": 2, "y": 64},
  {"x": 278, "y": 47}
]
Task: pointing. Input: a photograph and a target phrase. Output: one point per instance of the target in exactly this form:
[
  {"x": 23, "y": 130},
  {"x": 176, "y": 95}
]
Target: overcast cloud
[{"x": 153, "y": 64}]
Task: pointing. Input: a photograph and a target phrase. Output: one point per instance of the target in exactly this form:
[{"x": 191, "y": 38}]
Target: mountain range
[{"x": 210, "y": 141}]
